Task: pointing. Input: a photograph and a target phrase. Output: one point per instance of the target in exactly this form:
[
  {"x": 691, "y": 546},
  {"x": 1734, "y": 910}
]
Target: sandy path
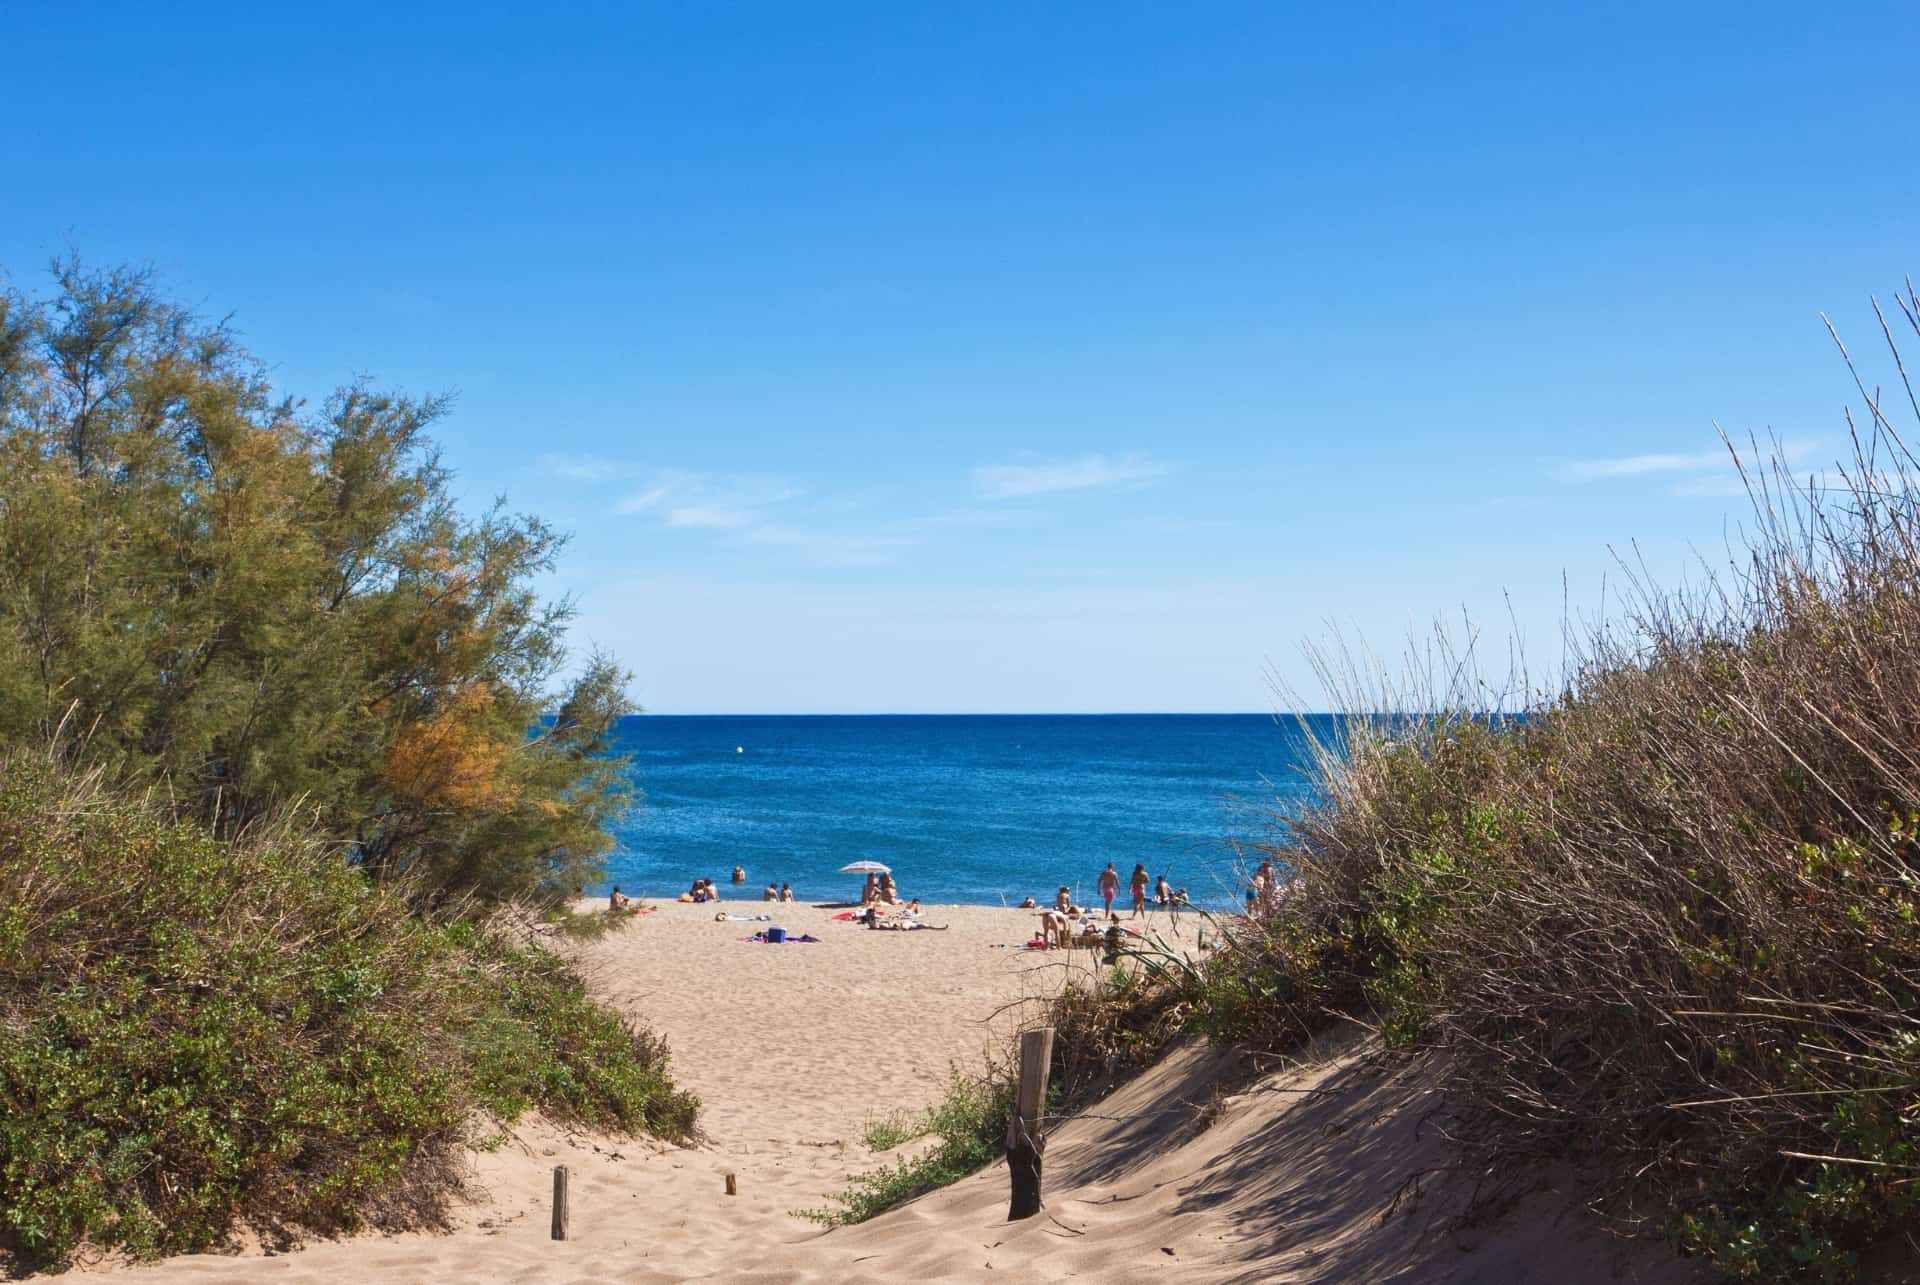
[{"x": 791, "y": 1048}]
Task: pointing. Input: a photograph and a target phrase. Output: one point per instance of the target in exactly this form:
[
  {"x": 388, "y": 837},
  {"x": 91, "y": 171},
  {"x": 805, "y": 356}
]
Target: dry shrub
[{"x": 1665, "y": 917}]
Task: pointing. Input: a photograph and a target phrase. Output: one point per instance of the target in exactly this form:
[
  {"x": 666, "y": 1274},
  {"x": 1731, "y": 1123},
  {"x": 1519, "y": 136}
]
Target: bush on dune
[
  {"x": 203, "y": 1032},
  {"x": 1668, "y": 919}
]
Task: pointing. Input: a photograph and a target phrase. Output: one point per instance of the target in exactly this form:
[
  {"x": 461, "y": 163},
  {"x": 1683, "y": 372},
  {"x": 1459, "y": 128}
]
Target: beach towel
[
  {"x": 848, "y": 914},
  {"x": 760, "y": 939}
]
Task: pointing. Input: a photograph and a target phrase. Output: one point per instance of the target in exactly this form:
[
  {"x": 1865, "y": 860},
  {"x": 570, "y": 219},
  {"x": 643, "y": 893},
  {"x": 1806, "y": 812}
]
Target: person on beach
[
  {"x": 703, "y": 890},
  {"x": 617, "y": 900},
  {"x": 786, "y": 892},
  {"x": 1028, "y": 904},
  {"x": 1163, "y": 893},
  {"x": 1138, "y": 886},
  {"x": 888, "y": 893},
  {"x": 1063, "y": 901},
  {"x": 870, "y": 893},
  {"x": 1109, "y": 887},
  {"x": 1266, "y": 885},
  {"x": 771, "y": 894},
  {"x": 1056, "y": 929}
]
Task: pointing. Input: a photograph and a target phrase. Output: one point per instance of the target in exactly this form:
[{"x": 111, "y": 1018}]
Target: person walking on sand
[
  {"x": 1138, "y": 886},
  {"x": 1109, "y": 887}
]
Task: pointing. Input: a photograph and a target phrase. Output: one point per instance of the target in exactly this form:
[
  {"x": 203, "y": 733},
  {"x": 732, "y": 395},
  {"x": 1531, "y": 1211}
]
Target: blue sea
[{"x": 971, "y": 809}]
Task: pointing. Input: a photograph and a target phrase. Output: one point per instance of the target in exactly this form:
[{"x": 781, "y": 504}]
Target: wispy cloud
[
  {"x": 754, "y": 512},
  {"x": 1696, "y": 473},
  {"x": 1642, "y": 465},
  {"x": 585, "y": 468},
  {"x": 709, "y": 501},
  {"x": 1091, "y": 472}
]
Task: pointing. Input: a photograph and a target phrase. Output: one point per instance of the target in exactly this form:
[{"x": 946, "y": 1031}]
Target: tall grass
[
  {"x": 1667, "y": 917},
  {"x": 197, "y": 1034}
]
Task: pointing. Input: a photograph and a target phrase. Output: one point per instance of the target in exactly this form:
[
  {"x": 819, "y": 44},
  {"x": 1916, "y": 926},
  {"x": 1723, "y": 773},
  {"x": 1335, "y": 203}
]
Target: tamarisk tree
[{"x": 258, "y": 604}]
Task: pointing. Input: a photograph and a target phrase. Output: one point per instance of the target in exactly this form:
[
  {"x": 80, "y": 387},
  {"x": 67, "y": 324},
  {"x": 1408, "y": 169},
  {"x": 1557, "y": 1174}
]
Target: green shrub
[
  {"x": 202, "y": 1033},
  {"x": 971, "y": 1125}
]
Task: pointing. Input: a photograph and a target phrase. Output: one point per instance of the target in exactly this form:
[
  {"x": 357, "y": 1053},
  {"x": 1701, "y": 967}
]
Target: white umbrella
[{"x": 865, "y": 868}]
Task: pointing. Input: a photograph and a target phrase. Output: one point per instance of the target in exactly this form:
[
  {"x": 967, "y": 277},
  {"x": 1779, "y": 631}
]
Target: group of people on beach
[
  {"x": 879, "y": 890},
  {"x": 1165, "y": 895},
  {"x": 1059, "y": 921}
]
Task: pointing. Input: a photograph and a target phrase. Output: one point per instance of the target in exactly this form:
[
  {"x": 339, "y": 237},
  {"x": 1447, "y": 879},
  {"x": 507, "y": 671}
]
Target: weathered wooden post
[
  {"x": 1026, "y": 1135},
  {"x": 733, "y": 1185},
  {"x": 560, "y": 1211}
]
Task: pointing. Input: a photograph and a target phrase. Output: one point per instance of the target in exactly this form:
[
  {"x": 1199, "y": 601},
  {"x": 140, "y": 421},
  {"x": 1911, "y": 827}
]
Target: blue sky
[{"x": 1014, "y": 357}]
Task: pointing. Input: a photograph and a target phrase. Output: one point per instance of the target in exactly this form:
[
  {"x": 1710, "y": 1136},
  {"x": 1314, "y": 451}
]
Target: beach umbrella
[{"x": 865, "y": 868}]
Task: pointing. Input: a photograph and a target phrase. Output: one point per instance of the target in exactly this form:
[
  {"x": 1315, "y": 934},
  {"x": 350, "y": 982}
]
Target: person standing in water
[
  {"x": 1109, "y": 887},
  {"x": 1138, "y": 886}
]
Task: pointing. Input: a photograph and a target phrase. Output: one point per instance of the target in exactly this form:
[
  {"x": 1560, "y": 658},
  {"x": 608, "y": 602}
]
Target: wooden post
[
  {"x": 1026, "y": 1136},
  {"x": 560, "y": 1210},
  {"x": 733, "y": 1188}
]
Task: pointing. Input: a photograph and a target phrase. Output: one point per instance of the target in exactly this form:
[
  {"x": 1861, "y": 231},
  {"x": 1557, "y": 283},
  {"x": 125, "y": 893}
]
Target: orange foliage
[{"x": 450, "y": 760}]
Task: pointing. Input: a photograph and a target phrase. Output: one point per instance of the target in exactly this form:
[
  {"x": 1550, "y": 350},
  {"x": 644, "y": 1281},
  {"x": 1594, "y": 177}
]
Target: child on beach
[{"x": 1109, "y": 887}]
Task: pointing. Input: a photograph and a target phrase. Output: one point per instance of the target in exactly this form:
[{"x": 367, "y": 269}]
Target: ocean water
[{"x": 965, "y": 809}]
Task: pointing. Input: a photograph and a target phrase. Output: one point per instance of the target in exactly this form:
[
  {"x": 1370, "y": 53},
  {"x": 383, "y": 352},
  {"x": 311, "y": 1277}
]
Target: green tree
[{"x": 259, "y": 603}]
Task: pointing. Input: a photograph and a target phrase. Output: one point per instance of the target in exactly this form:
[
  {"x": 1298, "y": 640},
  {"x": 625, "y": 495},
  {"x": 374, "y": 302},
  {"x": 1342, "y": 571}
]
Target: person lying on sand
[{"x": 1028, "y": 904}]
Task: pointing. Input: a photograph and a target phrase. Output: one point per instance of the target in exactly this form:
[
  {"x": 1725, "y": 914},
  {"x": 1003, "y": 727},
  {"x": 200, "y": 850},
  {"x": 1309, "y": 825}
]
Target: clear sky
[{"x": 978, "y": 357}]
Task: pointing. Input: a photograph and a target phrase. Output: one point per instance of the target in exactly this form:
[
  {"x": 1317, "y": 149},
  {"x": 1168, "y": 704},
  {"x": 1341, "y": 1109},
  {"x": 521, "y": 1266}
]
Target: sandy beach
[
  {"x": 1206, "y": 1168},
  {"x": 791, "y": 1048}
]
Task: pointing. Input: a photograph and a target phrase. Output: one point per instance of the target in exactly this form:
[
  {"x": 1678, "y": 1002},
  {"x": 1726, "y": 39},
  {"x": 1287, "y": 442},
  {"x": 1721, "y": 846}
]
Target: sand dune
[{"x": 1309, "y": 1174}]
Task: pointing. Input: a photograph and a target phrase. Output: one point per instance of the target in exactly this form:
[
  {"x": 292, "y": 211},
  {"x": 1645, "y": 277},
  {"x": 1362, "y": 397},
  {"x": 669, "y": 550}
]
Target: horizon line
[{"x": 1010, "y": 713}]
